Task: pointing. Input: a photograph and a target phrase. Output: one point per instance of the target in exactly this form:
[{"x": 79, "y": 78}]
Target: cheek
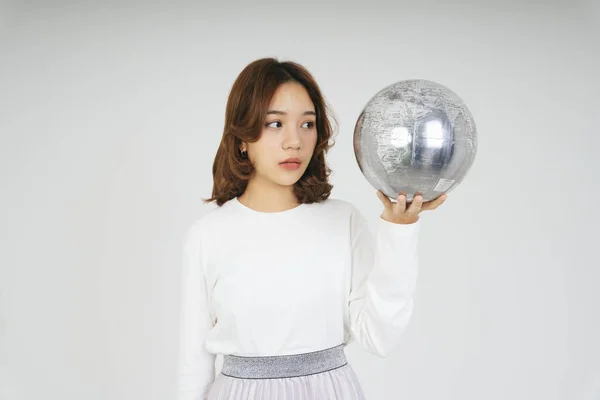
[
  {"x": 310, "y": 141},
  {"x": 262, "y": 150}
]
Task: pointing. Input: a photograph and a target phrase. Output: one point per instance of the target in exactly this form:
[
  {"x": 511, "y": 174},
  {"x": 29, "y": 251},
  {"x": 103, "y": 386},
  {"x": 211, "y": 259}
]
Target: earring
[{"x": 244, "y": 153}]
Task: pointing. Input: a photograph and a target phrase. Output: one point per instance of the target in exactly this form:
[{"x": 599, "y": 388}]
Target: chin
[{"x": 289, "y": 179}]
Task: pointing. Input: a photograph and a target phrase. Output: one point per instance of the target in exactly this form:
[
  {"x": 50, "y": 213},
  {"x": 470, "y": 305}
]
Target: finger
[
  {"x": 401, "y": 202},
  {"x": 433, "y": 204},
  {"x": 387, "y": 203},
  {"x": 440, "y": 200},
  {"x": 416, "y": 204}
]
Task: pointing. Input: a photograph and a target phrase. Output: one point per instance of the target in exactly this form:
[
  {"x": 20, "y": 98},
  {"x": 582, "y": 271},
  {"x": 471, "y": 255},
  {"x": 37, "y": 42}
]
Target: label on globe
[{"x": 443, "y": 185}]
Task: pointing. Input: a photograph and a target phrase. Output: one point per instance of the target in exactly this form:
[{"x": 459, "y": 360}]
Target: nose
[{"x": 291, "y": 139}]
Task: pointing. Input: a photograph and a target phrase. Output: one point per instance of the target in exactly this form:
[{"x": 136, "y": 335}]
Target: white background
[{"x": 110, "y": 115}]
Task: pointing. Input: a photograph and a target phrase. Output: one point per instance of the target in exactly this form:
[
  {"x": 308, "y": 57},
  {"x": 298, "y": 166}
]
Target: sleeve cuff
[{"x": 398, "y": 229}]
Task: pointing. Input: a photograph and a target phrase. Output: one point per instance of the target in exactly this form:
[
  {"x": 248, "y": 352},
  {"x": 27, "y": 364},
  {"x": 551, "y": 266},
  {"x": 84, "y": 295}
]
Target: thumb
[{"x": 384, "y": 199}]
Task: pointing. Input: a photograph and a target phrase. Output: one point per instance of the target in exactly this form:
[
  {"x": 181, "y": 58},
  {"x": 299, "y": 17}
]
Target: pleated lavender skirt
[{"x": 320, "y": 375}]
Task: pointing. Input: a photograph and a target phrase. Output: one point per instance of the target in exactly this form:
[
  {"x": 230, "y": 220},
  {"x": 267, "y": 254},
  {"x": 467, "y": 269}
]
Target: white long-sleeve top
[{"x": 296, "y": 281}]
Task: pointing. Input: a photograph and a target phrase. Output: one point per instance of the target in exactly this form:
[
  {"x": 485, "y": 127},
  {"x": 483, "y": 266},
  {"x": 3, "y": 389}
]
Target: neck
[{"x": 265, "y": 197}]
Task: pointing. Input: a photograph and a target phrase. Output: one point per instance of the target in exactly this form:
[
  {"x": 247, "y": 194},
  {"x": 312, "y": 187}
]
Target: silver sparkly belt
[{"x": 284, "y": 366}]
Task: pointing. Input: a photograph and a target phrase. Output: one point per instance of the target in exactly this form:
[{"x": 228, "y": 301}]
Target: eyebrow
[{"x": 277, "y": 112}]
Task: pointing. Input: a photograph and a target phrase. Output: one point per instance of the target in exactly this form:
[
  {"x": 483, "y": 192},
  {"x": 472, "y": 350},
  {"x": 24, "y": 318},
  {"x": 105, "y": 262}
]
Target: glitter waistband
[{"x": 284, "y": 366}]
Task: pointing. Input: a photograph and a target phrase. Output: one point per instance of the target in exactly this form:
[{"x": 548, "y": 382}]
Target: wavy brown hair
[{"x": 246, "y": 111}]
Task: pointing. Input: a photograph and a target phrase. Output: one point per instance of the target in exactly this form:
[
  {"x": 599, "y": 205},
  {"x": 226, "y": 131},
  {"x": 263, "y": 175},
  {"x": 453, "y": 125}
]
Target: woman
[{"x": 279, "y": 277}]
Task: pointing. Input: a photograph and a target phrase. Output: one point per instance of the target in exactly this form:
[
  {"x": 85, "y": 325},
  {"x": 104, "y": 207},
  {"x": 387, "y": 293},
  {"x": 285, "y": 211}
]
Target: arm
[
  {"x": 196, "y": 365},
  {"x": 384, "y": 274}
]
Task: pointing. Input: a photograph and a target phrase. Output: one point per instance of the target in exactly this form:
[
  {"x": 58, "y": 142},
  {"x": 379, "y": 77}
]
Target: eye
[
  {"x": 270, "y": 124},
  {"x": 310, "y": 124}
]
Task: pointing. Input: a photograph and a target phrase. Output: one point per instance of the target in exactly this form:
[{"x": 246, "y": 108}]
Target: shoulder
[
  {"x": 338, "y": 206},
  {"x": 212, "y": 221},
  {"x": 345, "y": 211}
]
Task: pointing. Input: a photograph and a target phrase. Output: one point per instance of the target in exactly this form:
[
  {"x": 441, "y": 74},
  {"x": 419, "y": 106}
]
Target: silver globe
[{"x": 415, "y": 136}]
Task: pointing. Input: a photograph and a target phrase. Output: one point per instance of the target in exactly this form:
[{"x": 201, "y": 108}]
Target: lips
[
  {"x": 292, "y": 160},
  {"x": 291, "y": 164}
]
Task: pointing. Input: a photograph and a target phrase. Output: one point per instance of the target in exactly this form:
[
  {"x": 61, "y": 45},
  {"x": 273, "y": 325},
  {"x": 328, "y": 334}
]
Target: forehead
[{"x": 291, "y": 97}]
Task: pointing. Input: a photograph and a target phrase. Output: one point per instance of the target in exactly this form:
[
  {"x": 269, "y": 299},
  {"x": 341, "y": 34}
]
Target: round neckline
[{"x": 252, "y": 210}]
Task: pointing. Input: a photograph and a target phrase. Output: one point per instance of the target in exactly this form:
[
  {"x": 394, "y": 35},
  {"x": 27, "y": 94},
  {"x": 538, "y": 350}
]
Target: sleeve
[
  {"x": 196, "y": 365},
  {"x": 383, "y": 281}
]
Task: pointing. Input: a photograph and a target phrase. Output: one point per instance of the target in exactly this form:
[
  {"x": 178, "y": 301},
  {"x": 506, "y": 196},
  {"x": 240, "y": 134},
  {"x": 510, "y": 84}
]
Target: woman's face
[{"x": 288, "y": 138}]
